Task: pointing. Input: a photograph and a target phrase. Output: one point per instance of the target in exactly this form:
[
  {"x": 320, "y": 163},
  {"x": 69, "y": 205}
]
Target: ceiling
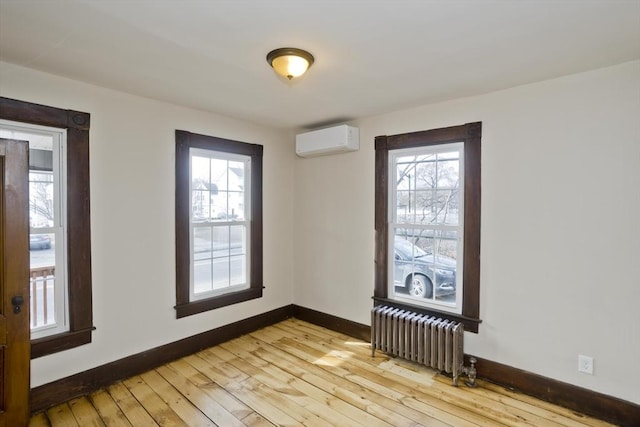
[{"x": 372, "y": 56}]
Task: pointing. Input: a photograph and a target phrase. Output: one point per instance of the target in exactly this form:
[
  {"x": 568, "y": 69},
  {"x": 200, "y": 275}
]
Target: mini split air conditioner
[{"x": 336, "y": 139}]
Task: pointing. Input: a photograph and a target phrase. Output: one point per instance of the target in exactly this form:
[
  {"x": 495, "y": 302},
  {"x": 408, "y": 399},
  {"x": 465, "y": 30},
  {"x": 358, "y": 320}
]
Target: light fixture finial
[{"x": 290, "y": 62}]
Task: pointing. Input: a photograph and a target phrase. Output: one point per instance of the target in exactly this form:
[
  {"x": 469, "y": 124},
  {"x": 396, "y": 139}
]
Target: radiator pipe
[{"x": 471, "y": 372}]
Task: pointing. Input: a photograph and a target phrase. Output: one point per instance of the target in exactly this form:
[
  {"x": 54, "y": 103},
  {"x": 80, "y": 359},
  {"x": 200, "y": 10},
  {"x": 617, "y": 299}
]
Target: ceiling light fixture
[{"x": 290, "y": 62}]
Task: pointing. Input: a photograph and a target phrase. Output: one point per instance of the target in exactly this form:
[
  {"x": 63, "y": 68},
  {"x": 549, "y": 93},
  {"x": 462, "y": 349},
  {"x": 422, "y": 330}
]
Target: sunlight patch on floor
[
  {"x": 334, "y": 358},
  {"x": 358, "y": 344},
  {"x": 409, "y": 370}
]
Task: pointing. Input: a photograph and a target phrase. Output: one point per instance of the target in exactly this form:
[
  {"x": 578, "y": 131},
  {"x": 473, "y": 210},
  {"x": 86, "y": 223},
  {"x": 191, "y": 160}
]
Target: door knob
[{"x": 17, "y": 301}]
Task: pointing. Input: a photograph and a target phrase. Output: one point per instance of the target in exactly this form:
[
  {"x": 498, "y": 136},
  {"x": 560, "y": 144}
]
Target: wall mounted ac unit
[{"x": 336, "y": 139}]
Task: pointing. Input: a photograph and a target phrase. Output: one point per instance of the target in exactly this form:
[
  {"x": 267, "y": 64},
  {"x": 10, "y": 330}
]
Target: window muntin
[
  {"x": 47, "y": 218},
  {"x": 426, "y": 200},
  {"x": 220, "y": 232}
]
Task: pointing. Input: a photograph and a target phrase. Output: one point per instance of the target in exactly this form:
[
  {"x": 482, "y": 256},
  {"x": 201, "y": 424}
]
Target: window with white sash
[
  {"x": 427, "y": 221},
  {"x": 426, "y": 226},
  {"x": 47, "y": 221},
  {"x": 218, "y": 222},
  {"x": 60, "y": 222},
  {"x": 220, "y": 219}
]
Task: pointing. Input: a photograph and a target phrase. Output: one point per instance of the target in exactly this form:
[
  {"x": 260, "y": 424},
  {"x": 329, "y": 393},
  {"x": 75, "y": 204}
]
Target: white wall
[
  {"x": 560, "y": 236},
  {"x": 560, "y": 269},
  {"x": 132, "y": 165}
]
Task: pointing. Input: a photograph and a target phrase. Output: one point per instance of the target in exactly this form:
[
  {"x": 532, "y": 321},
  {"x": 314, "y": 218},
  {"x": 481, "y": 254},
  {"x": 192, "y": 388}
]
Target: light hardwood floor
[{"x": 296, "y": 373}]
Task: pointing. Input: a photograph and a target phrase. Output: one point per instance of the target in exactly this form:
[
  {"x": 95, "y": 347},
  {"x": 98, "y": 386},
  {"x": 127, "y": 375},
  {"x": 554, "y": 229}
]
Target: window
[
  {"x": 59, "y": 241},
  {"x": 428, "y": 222},
  {"x": 47, "y": 221},
  {"x": 218, "y": 222},
  {"x": 425, "y": 225}
]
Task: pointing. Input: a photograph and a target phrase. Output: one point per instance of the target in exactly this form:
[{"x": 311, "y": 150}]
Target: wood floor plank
[
  {"x": 131, "y": 408},
  {"x": 548, "y": 413},
  {"x": 61, "y": 416},
  {"x": 84, "y": 413},
  {"x": 108, "y": 409},
  {"x": 301, "y": 414},
  {"x": 295, "y": 373},
  {"x": 514, "y": 416},
  {"x": 383, "y": 407},
  {"x": 157, "y": 408},
  {"x": 317, "y": 340},
  {"x": 256, "y": 420},
  {"x": 225, "y": 401},
  {"x": 323, "y": 404},
  {"x": 566, "y": 414},
  {"x": 547, "y": 410},
  {"x": 190, "y": 414},
  {"x": 264, "y": 408},
  {"x": 431, "y": 407},
  {"x": 430, "y": 410},
  {"x": 197, "y": 394},
  {"x": 39, "y": 420},
  {"x": 276, "y": 398}
]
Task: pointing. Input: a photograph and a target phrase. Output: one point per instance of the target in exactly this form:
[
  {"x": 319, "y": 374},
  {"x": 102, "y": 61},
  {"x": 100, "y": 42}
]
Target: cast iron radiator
[{"x": 428, "y": 340}]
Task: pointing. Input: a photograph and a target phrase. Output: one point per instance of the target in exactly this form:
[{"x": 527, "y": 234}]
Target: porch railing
[{"x": 42, "y": 285}]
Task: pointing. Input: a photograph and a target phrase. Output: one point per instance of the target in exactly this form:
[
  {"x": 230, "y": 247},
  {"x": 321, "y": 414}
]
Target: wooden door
[{"x": 14, "y": 284}]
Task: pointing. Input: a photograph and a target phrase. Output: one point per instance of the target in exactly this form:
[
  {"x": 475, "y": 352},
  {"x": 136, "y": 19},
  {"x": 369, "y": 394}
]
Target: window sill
[
  {"x": 60, "y": 342},
  {"x": 196, "y": 307},
  {"x": 470, "y": 324}
]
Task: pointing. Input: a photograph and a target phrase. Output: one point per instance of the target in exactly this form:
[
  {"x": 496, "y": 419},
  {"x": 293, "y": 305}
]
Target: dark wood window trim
[
  {"x": 470, "y": 134},
  {"x": 184, "y": 141},
  {"x": 78, "y": 218}
]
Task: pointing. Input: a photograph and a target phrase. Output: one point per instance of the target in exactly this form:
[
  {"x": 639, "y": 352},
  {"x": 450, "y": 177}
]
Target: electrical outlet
[{"x": 585, "y": 364}]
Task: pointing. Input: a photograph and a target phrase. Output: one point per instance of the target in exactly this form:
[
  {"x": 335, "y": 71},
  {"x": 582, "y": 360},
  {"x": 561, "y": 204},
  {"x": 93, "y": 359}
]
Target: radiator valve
[{"x": 471, "y": 373}]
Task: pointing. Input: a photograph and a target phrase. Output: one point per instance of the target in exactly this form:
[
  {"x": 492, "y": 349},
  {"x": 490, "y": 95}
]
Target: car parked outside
[
  {"x": 39, "y": 241},
  {"x": 416, "y": 271}
]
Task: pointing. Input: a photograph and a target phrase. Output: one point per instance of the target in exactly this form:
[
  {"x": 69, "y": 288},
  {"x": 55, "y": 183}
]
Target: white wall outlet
[{"x": 585, "y": 364}]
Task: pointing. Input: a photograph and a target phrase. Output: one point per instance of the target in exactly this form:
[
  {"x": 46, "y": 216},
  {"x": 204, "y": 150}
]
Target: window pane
[
  {"x": 237, "y": 240},
  {"x": 448, "y": 173},
  {"x": 220, "y": 241},
  {"x": 220, "y": 255},
  {"x": 42, "y": 279},
  {"x": 220, "y": 179},
  {"x": 219, "y": 206},
  {"x": 237, "y": 270},
  {"x": 446, "y": 207},
  {"x": 202, "y": 255},
  {"x": 219, "y": 173},
  {"x": 200, "y": 205},
  {"x": 425, "y": 264},
  {"x": 220, "y": 268},
  {"x": 425, "y": 175},
  {"x": 236, "y": 190},
  {"x": 41, "y": 199},
  {"x": 404, "y": 211},
  {"x": 200, "y": 172},
  {"x": 425, "y": 207},
  {"x": 202, "y": 242},
  {"x": 202, "y": 276}
]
